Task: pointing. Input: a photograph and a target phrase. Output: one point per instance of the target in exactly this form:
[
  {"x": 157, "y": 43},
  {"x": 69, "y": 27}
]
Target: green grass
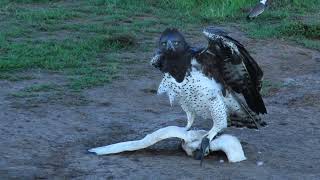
[
  {"x": 77, "y": 57},
  {"x": 80, "y": 39},
  {"x": 15, "y": 77},
  {"x": 283, "y": 19},
  {"x": 34, "y": 90},
  {"x": 269, "y": 87},
  {"x": 44, "y": 14},
  {"x": 92, "y": 76},
  {"x": 23, "y": 94},
  {"x": 41, "y": 88},
  {"x": 294, "y": 20}
]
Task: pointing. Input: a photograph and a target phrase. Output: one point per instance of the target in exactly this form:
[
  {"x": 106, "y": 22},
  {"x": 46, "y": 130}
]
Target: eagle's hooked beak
[{"x": 170, "y": 46}]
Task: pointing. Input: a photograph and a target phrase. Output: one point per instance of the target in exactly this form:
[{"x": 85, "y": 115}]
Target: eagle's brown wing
[{"x": 239, "y": 70}]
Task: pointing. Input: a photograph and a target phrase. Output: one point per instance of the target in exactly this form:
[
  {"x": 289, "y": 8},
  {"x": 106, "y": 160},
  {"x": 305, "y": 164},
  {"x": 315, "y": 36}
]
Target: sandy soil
[{"x": 46, "y": 137}]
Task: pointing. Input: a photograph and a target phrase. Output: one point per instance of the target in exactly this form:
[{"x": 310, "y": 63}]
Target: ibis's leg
[{"x": 191, "y": 117}]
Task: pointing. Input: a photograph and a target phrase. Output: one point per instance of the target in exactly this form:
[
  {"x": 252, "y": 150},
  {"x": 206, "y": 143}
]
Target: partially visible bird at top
[{"x": 258, "y": 9}]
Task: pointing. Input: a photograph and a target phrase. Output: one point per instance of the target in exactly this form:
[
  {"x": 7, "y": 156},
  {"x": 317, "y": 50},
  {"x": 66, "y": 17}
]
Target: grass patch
[
  {"x": 78, "y": 57},
  {"x": 33, "y": 1},
  {"x": 15, "y": 77},
  {"x": 288, "y": 29},
  {"x": 300, "y": 29},
  {"x": 307, "y": 34},
  {"x": 45, "y": 14},
  {"x": 292, "y": 20},
  {"x": 270, "y": 87},
  {"x": 84, "y": 57},
  {"x": 35, "y": 90},
  {"x": 314, "y": 44},
  {"x": 44, "y": 55},
  {"x": 87, "y": 77},
  {"x": 41, "y": 88},
  {"x": 120, "y": 41},
  {"x": 22, "y": 94}
]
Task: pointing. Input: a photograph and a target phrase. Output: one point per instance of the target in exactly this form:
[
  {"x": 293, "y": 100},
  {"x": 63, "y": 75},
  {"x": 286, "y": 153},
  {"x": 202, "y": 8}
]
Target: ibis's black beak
[{"x": 170, "y": 46}]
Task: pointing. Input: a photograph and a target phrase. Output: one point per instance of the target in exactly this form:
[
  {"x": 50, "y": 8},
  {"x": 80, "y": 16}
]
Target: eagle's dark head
[
  {"x": 175, "y": 55},
  {"x": 172, "y": 43}
]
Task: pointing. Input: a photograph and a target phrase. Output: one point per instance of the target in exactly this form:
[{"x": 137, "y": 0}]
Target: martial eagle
[{"x": 221, "y": 82}]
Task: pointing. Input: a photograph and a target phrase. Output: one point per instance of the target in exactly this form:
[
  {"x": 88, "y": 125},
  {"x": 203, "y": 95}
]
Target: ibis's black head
[{"x": 176, "y": 56}]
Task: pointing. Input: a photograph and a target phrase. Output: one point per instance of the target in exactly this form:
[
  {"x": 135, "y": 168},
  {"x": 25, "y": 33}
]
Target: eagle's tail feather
[
  {"x": 250, "y": 120},
  {"x": 246, "y": 121},
  {"x": 254, "y": 101}
]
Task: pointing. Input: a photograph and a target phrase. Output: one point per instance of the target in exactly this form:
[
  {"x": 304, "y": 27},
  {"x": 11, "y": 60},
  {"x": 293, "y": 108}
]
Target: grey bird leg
[
  {"x": 219, "y": 117},
  {"x": 204, "y": 148},
  {"x": 200, "y": 153}
]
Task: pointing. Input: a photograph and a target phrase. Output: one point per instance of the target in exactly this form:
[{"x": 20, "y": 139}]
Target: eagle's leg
[
  {"x": 219, "y": 116},
  {"x": 190, "y": 117}
]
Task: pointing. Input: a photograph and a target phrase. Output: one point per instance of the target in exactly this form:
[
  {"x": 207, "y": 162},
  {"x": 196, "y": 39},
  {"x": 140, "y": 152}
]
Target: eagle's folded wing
[
  {"x": 239, "y": 70},
  {"x": 156, "y": 60}
]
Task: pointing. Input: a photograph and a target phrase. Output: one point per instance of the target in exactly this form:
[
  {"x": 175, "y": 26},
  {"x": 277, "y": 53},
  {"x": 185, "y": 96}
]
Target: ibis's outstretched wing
[{"x": 239, "y": 70}]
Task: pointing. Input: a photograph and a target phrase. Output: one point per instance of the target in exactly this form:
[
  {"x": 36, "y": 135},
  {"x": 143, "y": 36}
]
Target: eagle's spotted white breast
[{"x": 198, "y": 94}]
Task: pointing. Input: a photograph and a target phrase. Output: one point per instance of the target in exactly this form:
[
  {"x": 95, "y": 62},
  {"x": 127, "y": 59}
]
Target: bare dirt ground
[{"x": 47, "y": 136}]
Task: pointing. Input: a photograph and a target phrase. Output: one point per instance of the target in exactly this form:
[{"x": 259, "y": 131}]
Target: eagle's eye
[
  {"x": 163, "y": 43},
  {"x": 176, "y": 43}
]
